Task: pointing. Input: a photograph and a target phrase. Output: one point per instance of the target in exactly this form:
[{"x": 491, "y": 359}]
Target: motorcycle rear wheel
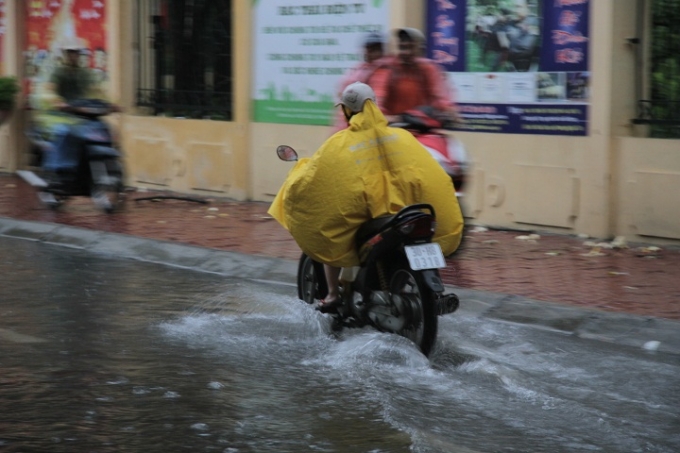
[
  {"x": 107, "y": 190},
  {"x": 311, "y": 282},
  {"x": 418, "y": 306},
  {"x": 108, "y": 197}
]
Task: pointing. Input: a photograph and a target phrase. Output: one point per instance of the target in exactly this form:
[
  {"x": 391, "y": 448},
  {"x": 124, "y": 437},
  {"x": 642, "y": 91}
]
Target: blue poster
[
  {"x": 543, "y": 119},
  {"x": 446, "y": 33},
  {"x": 566, "y": 35},
  {"x": 516, "y": 66}
]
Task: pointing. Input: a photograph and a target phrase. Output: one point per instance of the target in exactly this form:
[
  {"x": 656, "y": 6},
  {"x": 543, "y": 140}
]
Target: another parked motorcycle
[
  {"x": 397, "y": 287},
  {"x": 447, "y": 150},
  {"x": 90, "y": 164}
]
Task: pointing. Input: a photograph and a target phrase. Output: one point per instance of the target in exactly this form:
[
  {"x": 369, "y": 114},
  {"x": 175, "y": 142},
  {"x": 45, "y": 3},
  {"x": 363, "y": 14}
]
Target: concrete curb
[{"x": 654, "y": 334}]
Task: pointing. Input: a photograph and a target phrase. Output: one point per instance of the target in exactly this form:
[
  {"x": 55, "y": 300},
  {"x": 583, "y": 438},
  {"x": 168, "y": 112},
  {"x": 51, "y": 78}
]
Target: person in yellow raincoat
[{"x": 362, "y": 172}]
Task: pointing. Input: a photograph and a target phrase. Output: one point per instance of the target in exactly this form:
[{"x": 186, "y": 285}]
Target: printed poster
[
  {"x": 50, "y": 24},
  {"x": 302, "y": 48},
  {"x": 3, "y": 30},
  {"x": 517, "y": 66}
]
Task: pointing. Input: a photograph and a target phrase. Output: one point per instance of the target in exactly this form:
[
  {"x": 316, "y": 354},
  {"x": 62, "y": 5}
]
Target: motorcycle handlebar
[{"x": 98, "y": 108}]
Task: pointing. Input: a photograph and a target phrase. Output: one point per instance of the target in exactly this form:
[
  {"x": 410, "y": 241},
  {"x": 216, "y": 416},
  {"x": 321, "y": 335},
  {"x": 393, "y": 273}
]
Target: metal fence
[
  {"x": 184, "y": 58},
  {"x": 662, "y": 111}
]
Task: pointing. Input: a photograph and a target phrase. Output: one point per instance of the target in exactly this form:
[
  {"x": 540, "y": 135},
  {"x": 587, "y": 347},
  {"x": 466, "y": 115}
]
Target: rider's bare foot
[{"x": 329, "y": 305}]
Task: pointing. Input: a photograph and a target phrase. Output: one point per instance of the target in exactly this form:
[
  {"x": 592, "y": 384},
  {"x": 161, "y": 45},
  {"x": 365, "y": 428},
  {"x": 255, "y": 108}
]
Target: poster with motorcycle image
[
  {"x": 301, "y": 51},
  {"x": 517, "y": 66},
  {"x": 50, "y": 24}
]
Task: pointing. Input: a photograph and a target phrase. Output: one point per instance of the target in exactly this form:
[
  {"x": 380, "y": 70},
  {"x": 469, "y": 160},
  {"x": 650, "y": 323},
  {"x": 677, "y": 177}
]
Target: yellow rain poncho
[{"x": 363, "y": 172}]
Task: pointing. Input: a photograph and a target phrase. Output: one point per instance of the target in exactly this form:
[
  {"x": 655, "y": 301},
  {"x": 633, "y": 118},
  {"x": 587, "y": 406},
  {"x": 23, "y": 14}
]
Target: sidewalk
[{"x": 567, "y": 270}]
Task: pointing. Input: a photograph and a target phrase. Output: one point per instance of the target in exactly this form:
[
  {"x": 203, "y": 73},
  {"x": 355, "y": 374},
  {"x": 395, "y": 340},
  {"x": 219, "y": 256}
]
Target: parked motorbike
[
  {"x": 430, "y": 131},
  {"x": 91, "y": 165},
  {"x": 397, "y": 287}
]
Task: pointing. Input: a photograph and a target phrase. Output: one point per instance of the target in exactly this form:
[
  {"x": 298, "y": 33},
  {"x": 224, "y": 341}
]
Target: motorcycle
[
  {"x": 448, "y": 151},
  {"x": 514, "y": 43},
  {"x": 397, "y": 287},
  {"x": 90, "y": 165}
]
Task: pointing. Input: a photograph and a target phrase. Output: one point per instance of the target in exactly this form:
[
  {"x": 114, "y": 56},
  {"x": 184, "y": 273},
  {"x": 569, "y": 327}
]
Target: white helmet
[
  {"x": 354, "y": 96},
  {"x": 72, "y": 43}
]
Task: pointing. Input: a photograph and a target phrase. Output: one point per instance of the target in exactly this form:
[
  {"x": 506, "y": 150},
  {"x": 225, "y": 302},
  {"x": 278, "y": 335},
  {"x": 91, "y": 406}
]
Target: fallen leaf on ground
[
  {"x": 651, "y": 249},
  {"x": 594, "y": 252},
  {"x": 620, "y": 242}
]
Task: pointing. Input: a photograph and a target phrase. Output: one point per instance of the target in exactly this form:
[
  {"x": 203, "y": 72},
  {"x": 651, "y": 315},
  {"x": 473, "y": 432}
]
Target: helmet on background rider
[
  {"x": 74, "y": 44},
  {"x": 72, "y": 47},
  {"x": 374, "y": 39},
  {"x": 412, "y": 35},
  {"x": 374, "y": 47},
  {"x": 354, "y": 96}
]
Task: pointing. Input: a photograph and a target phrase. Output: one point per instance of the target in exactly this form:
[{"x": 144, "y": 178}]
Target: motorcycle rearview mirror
[{"x": 286, "y": 153}]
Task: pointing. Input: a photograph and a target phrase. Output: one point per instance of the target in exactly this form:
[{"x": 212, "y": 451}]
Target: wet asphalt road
[{"x": 105, "y": 354}]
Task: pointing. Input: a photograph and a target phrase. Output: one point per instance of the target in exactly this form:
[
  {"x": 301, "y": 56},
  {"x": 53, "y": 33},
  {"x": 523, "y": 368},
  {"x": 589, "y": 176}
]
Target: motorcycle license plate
[{"x": 425, "y": 256}]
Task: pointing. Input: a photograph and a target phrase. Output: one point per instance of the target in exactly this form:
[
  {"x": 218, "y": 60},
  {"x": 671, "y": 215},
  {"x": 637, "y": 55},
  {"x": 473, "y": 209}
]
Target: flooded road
[{"x": 108, "y": 355}]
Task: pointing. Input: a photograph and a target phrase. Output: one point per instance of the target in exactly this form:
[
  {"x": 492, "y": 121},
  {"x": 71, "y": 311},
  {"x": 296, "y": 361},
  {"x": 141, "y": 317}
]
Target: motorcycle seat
[
  {"x": 101, "y": 152},
  {"x": 372, "y": 227},
  {"x": 375, "y": 226}
]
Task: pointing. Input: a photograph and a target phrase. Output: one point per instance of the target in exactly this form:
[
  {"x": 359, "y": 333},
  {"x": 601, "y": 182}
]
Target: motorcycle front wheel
[{"x": 417, "y": 305}]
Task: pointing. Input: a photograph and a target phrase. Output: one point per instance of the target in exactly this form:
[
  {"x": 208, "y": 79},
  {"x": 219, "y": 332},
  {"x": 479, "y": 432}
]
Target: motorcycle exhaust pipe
[{"x": 447, "y": 303}]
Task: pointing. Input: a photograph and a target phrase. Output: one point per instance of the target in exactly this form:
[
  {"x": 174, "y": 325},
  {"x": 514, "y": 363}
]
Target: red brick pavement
[{"x": 554, "y": 268}]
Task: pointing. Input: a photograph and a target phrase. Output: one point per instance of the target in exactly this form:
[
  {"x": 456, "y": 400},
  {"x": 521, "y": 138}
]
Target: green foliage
[{"x": 9, "y": 87}]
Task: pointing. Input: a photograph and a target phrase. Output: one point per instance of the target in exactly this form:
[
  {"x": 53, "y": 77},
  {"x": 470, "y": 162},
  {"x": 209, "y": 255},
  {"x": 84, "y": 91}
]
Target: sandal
[{"x": 329, "y": 307}]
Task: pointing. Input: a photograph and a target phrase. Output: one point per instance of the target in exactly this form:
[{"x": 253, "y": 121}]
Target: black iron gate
[
  {"x": 662, "y": 111},
  {"x": 184, "y": 58}
]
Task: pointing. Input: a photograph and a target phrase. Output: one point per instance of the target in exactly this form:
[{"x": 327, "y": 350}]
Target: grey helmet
[
  {"x": 355, "y": 95},
  {"x": 412, "y": 34}
]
